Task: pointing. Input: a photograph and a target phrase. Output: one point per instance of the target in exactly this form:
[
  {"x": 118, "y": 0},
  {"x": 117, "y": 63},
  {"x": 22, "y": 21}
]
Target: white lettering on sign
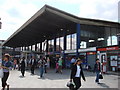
[
  {"x": 111, "y": 48},
  {"x": 87, "y": 49}
]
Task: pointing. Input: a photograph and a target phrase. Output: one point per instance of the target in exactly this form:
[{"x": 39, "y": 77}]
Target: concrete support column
[
  {"x": 54, "y": 44},
  {"x": 64, "y": 46},
  {"x": 41, "y": 47},
  {"x": 36, "y": 47},
  {"x": 21, "y": 48},
  {"x": 71, "y": 42},
  {"x": 31, "y": 47},
  {"x": 47, "y": 46},
  {"x": 78, "y": 34},
  {"x": 25, "y": 48}
]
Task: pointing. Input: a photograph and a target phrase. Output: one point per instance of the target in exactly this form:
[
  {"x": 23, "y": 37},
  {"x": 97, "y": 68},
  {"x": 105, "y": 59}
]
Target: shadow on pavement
[
  {"x": 52, "y": 75},
  {"x": 104, "y": 85},
  {"x": 21, "y": 76}
]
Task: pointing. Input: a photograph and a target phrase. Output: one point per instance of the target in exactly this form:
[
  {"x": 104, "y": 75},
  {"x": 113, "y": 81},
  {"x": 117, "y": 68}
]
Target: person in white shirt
[
  {"x": 76, "y": 74},
  {"x": 41, "y": 64}
]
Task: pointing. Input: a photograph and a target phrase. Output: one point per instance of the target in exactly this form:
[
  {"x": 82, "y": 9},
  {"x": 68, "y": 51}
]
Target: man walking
[
  {"x": 97, "y": 70},
  {"x": 32, "y": 64},
  {"x": 41, "y": 64},
  {"x": 23, "y": 66}
]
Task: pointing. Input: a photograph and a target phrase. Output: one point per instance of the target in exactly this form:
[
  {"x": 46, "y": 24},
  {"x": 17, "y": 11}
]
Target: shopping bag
[
  {"x": 1, "y": 73},
  {"x": 71, "y": 85},
  {"x": 100, "y": 76}
]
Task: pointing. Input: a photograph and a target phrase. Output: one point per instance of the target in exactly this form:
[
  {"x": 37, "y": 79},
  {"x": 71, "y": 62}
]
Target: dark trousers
[
  {"x": 32, "y": 69},
  {"x": 45, "y": 68},
  {"x": 23, "y": 72},
  {"x": 77, "y": 82},
  {"x": 4, "y": 79}
]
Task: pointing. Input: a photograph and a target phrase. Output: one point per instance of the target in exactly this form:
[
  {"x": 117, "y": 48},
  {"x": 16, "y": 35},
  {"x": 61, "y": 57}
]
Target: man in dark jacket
[
  {"x": 32, "y": 64},
  {"x": 76, "y": 74},
  {"x": 23, "y": 66},
  {"x": 97, "y": 70}
]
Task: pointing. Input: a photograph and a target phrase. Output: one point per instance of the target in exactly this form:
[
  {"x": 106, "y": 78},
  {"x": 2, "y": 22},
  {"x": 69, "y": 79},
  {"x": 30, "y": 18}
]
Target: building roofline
[{"x": 61, "y": 13}]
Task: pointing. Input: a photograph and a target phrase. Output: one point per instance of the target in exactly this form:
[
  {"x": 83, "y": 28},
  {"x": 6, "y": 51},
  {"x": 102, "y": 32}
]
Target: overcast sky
[{"x": 14, "y": 13}]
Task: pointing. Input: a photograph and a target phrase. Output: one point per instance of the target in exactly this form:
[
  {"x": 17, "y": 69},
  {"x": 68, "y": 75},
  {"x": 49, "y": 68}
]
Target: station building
[{"x": 57, "y": 33}]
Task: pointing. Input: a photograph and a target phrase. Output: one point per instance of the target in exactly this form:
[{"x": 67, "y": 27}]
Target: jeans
[
  {"x": 97, "y": 76},
  {"x": 41, "y": 71}
]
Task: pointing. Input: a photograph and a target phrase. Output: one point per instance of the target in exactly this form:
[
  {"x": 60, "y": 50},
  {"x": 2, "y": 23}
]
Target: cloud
[
  {"x": 99, "y": 9},
  {"x": 14, "y": 13}
]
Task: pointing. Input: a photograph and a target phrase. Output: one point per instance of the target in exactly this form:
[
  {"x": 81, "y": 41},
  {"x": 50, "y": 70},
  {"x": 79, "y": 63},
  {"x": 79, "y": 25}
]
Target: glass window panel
[
  {"x": 107, "y": 36},
  {"x": 61, "y": 42},
  {"x": 68, "y": 42},
  {"x": 74, "y": 41},
  {"x": 114, "y": 36}
]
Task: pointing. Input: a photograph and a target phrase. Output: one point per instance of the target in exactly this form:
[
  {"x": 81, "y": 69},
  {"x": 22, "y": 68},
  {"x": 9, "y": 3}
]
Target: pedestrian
[
  {"x": 32, "y": 65},
  {"x": 6, "y": 65},
  {"x": 76, "y": 74},
  {"x": 41, "y": 64},
  {"x": 23, "y": 66},
  {"x": 97, "y": 70},
  {"x": 73, "y": 60},
  {"x": 19, "y": 64},
  {"x": 57, "y": 66},
  {"x": 15, "y": 64},
  {"x": 45, "y": 65},
  {"x": 60, "y": 65}
]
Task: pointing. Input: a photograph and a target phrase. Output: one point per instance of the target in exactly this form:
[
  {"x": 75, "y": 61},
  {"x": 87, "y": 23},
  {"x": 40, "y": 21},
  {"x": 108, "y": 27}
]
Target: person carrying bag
[
  {"x": 97, "y": 69},
  {"x": 76, "y": 74},
  {"x": 1, "y": 70},
  {"x": 6, "y": 66},
  {"x": 100, "y": 76}
]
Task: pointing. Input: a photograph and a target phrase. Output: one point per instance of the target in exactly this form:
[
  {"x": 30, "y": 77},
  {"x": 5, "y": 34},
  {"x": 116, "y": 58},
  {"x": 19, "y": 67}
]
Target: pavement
[{"x": 56, "y": 80}]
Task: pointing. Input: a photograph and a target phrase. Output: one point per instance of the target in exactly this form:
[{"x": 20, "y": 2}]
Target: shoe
[
  {"x": 7, "y": 87},
  {"x": 98, "y": 83},
  {"x": 3, "y": 88}
]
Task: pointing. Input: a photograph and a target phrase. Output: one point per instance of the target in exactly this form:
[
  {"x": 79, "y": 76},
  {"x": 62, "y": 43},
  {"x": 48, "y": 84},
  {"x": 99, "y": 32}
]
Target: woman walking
[
  {"x": 23, "y": 66},
  {"x": 6, "y": 65},
  {"x": 76, "y": 74},
  {"x": 60, "y": 65}
]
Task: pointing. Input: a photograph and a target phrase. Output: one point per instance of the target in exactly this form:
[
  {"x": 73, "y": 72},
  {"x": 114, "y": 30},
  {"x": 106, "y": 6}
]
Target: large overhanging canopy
[{"x": 49, "y": 23}]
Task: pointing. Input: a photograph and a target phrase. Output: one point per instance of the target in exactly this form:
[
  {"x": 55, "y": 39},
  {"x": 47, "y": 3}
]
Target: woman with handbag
[
  {"x": 97, "y": 70},
  {"x": 6, "y": 65},
  {"x": 76, "y": 74}
]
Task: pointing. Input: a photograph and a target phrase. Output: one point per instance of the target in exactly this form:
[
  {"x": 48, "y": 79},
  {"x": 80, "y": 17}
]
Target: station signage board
[{"x": 108, "y": 48}]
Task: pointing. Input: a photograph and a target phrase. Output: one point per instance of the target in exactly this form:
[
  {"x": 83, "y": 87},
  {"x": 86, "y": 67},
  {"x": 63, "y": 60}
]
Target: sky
[{"x": 14, "y": 13}]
